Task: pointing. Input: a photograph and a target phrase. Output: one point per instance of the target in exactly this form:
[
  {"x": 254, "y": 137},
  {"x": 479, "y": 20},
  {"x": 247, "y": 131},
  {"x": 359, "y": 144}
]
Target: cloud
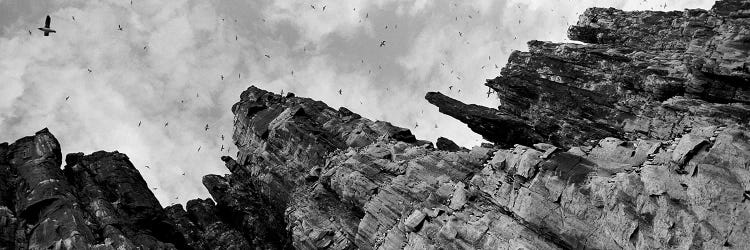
[{"x": 189, "y": 45}]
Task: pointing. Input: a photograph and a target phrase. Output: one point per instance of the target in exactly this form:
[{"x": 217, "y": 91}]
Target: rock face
[
  {"x": 97, "y": 201},
  {"x": 637, "y": 139},
  {"x": 642, "y": 74}
]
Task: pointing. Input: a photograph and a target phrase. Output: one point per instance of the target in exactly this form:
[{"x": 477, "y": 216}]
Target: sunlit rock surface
[{"x": 636, "y": 139}]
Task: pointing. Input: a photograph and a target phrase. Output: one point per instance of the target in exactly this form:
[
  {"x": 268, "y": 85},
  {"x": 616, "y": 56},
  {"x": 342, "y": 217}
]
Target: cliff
[{"x": 636, "y": 139}]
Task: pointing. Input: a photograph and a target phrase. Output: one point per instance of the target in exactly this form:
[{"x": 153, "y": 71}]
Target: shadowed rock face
[
  {"x": 635, "y": 78},
  {"x": 638, "y": 139},
  {"x": 98, "y": 201}
]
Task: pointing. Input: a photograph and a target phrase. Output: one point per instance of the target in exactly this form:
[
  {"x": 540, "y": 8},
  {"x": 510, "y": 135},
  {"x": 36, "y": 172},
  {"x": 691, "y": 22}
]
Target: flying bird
[
  {"x": 222, "y": 77},
  {"x": 148, "y": 167},
  {"x": 90, "y": 70},
  {"x": 339, "y": 91},
  {"x": 139, "y": 123},
  {"x": 382, "y": 43},
  {"x": 450, "y": 87},
  {"x": 222, "y": 137},
  {"x": 206, "y": 127},
  {"x": 29, "y": 32},
  {"x": 46, "y": 27},
  {"x": 166, "y": 124},
  {"x": 119, "y": 27},
  {"x": 313, "y": 6},
  {"x": 324, "y": 7},
  {"x": 267, "y": 56},
  {"x": 74, "y": 17},
  {"x": 199, "y": 148},
  {"x": 66, "y": 98},
  {"x": 222, "y": 148}
]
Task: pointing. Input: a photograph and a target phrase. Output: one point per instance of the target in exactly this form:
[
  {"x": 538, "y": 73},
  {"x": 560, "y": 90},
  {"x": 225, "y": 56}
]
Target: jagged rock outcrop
[
  {"x": 637, "y": 139},
  {"x": 643, "y": 74},
  {"x": 97, "y": 201}
]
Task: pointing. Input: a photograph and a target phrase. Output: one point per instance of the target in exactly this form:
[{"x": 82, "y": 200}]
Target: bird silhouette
[
  {"x": 66, "y": 98},
  {"x": 29, "y": 32},
  {"x": 199, "y": 148},
  {"x": 382, "y": 43},
  {"x": 46, "y": 27},
  {"x": 222, "y": 77},
  {"x": 324, "y": 7},
  {"x": 139, "y": 123},
  {"x": 450, "y": 87},
  {"x": 206, "y": 127},
  {"x": 267, "y": 56},
  {"x": 222, "y": 148},
  {"x": 119, "y": 27},
  {"x": 74, "y": 18},
  {"x": 222, "y": 137},
  {"x": 166, "y": 124},
  {"x": 339, "y": 91},
  {"x": 90, "y": 70},
  {"x": 148, "y": 167},
  {"x": 312, "y": 6},
  {"x": 460, "y": 34}
]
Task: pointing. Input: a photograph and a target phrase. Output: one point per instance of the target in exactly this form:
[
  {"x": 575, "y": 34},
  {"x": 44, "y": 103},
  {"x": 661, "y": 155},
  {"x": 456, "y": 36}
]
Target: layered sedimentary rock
[
  {"x": 636, "y": 139},
  {"x": 644, "y": 74}
]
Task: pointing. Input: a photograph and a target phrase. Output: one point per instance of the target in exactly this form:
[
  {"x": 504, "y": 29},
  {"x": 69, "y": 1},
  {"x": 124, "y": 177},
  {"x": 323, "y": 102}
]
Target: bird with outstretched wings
[{"x": 46, "y": 27}]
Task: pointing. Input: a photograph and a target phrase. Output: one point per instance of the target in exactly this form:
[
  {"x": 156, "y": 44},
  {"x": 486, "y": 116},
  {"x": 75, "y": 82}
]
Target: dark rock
[
  {"x": 446, "y": 144},
  {"x": 492, "y": 124}
]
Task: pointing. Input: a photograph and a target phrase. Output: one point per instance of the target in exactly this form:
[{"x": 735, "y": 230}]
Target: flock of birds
[
  {"x": 382, "y": 43},
  {"x": 47, "y": 30}
]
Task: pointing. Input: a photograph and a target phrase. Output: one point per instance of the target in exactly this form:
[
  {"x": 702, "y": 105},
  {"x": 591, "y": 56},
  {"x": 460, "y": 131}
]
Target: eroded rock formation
[{"x": 636, "y": 139}]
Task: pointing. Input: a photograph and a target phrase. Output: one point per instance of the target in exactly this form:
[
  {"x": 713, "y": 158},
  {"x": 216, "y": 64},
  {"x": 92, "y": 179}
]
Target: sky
[{"x": 186, "y": 62}]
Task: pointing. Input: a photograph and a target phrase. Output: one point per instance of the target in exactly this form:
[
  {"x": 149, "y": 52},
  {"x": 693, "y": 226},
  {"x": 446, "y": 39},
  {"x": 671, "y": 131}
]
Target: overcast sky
[{"x": 166, "y": 66}]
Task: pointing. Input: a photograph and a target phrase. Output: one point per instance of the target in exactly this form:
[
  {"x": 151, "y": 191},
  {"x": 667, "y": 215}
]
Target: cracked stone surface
[{"x": 636, "y": 139}]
